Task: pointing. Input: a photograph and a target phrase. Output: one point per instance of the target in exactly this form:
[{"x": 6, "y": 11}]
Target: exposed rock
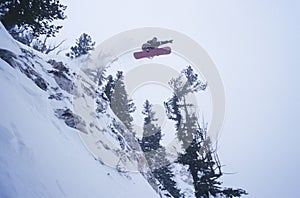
[
  {"x": 41, "y": 83},
  {"x": 58, "y": 65},
  {"x": 17, "y": 62},
  {"x": 61, "y": 76},
  {"x": 9, "y": 57},
  {"x": 71, "y": 119},
  {"x": 57, "y": 96}
]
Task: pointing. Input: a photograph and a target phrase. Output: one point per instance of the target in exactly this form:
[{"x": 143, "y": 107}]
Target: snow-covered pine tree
[
  {"x": 83, "y": 46},
  {"x": 155, "y": 153},
  {"x": 33, "y": 15},
  {"x": 198, "y": 153},
  {"x": 22, "y": 35},
  {"x": 120, "y": 104}
]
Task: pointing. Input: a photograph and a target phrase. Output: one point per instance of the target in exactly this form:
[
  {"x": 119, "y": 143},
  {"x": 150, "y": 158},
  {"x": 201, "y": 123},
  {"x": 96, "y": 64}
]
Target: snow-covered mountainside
[{"x": 41, "y": 153}]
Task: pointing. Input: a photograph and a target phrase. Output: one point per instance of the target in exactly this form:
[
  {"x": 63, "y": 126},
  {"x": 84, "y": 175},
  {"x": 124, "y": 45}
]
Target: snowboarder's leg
[{"x": 147, "y": 47}]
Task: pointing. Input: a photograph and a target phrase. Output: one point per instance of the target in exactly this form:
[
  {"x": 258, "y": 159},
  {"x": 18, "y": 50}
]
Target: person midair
[{"x": 153, "y": 44}]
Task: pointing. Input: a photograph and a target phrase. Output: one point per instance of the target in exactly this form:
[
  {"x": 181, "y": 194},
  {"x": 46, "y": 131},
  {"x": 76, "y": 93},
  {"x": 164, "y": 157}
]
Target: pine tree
[
  {"x": 108, "y": 89},
  {"x": 197, "y": 154},
  {"x": 120, "y": 104},
  {"x": 83, "y": 46},
  {"x": 33, "y": 15},
  {"x": 173, "y": 111},
  {"x": 152, "y": 133},
  {"x": 22, "y": 35},
  {"x": 155, "y": 153},
  {"x": 205, "y": 168},
  {"x": 177, "y": 107}
]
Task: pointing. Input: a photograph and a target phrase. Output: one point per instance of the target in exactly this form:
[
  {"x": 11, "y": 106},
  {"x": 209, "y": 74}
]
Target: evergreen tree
[
  {"x": 155, "y": 153},
  {"x": 177, "y": 107},
  {"x": 109, "y": 87},
  {"x": 83, "y": 46},
  {"x": 197, "y": 154},
  {"x": 205, "y": 168},
  {"x": 120, "y": 104},
  {"x": 33, "y": 15},
  {"x": 151, "y": 133},
  {"x": 173, "y": 111},
  {"x": 165, "y": 177},
  {"x": 22, "y": 35}
]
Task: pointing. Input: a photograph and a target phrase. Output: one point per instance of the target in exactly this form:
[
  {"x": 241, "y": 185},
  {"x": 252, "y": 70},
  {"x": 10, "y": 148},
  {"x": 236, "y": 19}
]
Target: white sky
[{"x": 255, "y": 45}]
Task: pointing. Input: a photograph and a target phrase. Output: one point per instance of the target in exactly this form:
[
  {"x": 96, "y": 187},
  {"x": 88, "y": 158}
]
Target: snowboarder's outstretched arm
[{"x": 165, "y": 42}]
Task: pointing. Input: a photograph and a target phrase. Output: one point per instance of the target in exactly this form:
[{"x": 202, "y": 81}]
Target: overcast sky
[{"x": 255, "y": 45}]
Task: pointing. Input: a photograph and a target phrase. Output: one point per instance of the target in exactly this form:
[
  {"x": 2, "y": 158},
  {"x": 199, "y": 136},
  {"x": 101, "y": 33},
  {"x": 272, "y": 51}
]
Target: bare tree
[{"x": 42, "y": 46}]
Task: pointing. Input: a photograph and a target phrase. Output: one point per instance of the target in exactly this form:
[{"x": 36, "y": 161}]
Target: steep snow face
[{"x": 40, "y": 154}]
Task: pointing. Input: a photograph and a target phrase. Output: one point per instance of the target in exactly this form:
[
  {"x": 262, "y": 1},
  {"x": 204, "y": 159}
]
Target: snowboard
[{"x": 152, "y": 53}]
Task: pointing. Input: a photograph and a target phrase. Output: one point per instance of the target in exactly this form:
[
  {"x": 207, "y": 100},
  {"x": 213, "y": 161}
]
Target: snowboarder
[
  {"x": 151, "y": 49},
  {"x": 153, "y": 44}
]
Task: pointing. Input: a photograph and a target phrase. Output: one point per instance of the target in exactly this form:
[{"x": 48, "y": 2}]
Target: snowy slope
[{"x": 40, "y": 156}]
